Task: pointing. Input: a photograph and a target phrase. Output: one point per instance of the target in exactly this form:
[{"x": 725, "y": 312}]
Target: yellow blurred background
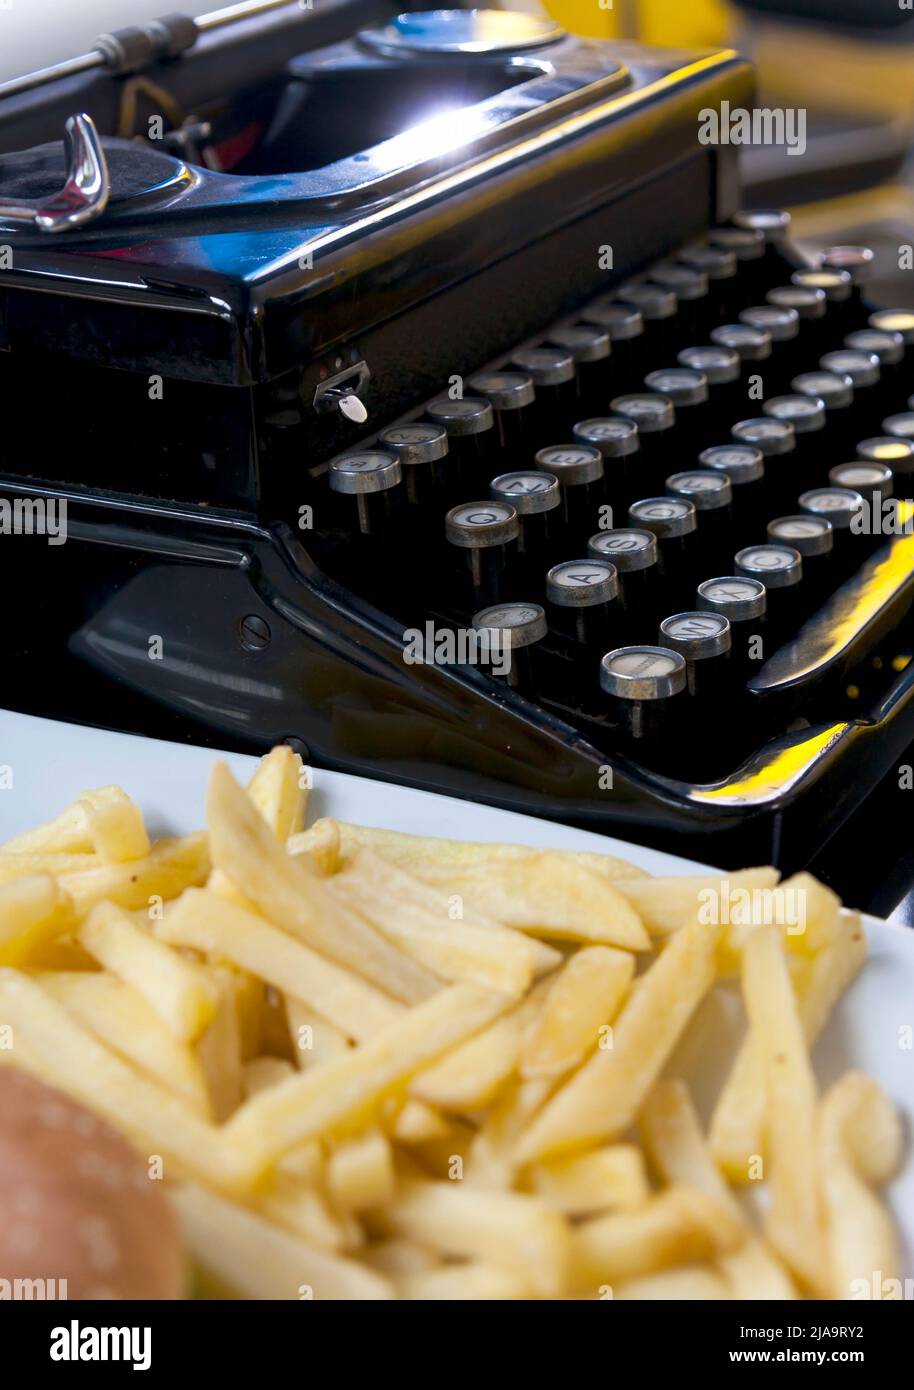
[{"x": 659, "y": 21}]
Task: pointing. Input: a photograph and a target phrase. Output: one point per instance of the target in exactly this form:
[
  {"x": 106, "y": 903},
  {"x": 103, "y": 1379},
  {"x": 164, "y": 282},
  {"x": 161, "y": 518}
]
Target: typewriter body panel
[{"x": 191, "y": 362}]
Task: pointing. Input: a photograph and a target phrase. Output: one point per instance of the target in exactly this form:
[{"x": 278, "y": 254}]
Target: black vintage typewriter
[{"x": 420, "y": 394}]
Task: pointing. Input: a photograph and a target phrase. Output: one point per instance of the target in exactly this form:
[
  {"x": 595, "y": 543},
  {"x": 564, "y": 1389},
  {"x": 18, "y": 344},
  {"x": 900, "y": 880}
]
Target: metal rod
[
  {"x": 86, "y": 62},
  {"x": 217, "y": 19}
]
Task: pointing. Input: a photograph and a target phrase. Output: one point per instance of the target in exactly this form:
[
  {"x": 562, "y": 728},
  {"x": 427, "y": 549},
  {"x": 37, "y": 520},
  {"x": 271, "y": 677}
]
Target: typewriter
[{"x": 417, "y": 391}]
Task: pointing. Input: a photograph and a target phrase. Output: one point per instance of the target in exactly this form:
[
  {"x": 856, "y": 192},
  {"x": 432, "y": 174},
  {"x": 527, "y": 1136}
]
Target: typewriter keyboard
[{"x": 678, "y": 519}]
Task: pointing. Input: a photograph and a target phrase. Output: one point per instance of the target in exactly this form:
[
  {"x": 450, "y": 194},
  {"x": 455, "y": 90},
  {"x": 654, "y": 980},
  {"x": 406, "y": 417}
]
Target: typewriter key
[
  {"x": 420, "y": 446},
  {"x": 618, "y": 442},
  {"x": 894, "y": 321},
  {"x": 743, "y": 602},
  {"x": 888, "y": 347},
  {"x": 472, "y": 441},
  {"x": 623, "y": 322},
  {"x": 773, "y": 223},
  {"x": 893, "y": 450},
  {"x": 371, "y": 477},
  {"x": 691, "y": 288},
  {"x": 688, "y": 390},
  {"x": 590, "y": 347},
  {"x": 624, "y": 325},
  {"x": 688, "y": 285},
  {"x": 720, "y": 266},
  {"x": 901, "y": 425},
  {"x": 840, "y": 506},
  {"x": 836, "y": 285},
  {"x": 579, "y": 469},
  {"x": 809, "y": 302},
  {"x": 838, "y": 288},
  {"x": 834, "y": 391},
  {"x": 653, "y": 302},
  {"x": 555, "y": 379},
  {"x": 654, "y": 416},
  {"x": 711, "y": 494},
  {"x": 720, "y": 365},
  {"x": 745, "y": 243},
  {"x": 512, "y": 631},
  {"x": 641, "y": 683},
  {"x": 874, "y": 481},
  {"x": 780, "y": 569},
  {"x": 634, "y": 555},
  {"x": 744, "y": 465},
  {"x": 584, "y": 598},
  {"x": 781, "y": 324},
  {"x": 749, "y": 344},
  {"x": 512, "y": 396},
  {"x": 703, "y": 641},
  {"x": 807, "y": 416},
  {"x": 723, "y": 369},
  {"x": 487, "y": 534},
  {"x": 673, "y": 520},
  {"x": 716, "y": 262},
  {"x": 537, "y": 499},
  {"x": 816, "y": 332},
  {"x": 814, "y": 539},
  {"x": 861, "y": 367},
  {"x": 856, "y": 260}
]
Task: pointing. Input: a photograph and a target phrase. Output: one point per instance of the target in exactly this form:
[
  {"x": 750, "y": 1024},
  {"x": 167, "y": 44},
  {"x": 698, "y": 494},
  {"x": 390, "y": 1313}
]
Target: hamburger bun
[{"x": 77, "y": 1204}]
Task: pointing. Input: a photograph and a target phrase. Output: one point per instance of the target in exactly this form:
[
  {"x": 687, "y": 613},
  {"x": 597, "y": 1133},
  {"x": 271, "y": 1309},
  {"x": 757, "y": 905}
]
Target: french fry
[
  {"x": 360, "y": 1172},
  {"x": 585, "y": 994},
  {"x": 122, "y": 1019},
  {"x": 314, "y": 1039},
  {"x": 13, "y": 866},
  {"x": 493, "y": 1157},
  {"x": 216, "y": 926},
  {"x": 608, "y": 1179},
  {"x": 666, "y": 904},
  {"x": 34, "y": 911},
  {"x": 601, "y": 1099},
  {"x": 279, "y": 791},
  {"x": 411, "y": 852},
  {"x": 180, "y": 991},
  {"x": 416, "y": 1123},
  {"x": 471, "y": 1075},
  {"x": 168, "y": 868},
  {"x": 736, "y": 1134},
  {"x": 545, "y": 894},
  {"x": 677, "y": 1226},
  {"x": 510, "y": 1229},
  {"x": 75, "y": 831},
  {"x": 688, "y": 1283},
  {"x": 50, "y": 1043},
  {"x": 252, "y": 1258},
  {"x": 321, "y": 842},
  {"x": 793, "y": 1222},
  {"x": 348, "y": 1091},
  {"x": 263, "y": 1072},
  {"x": 673, "y": 1139},
  {"x": 219, "y": 1048},
  {"x": 860, "y": 1144},
  {"x": 399, "y": 1257},
  {"x": 471, "y": 1281},
  {"x": 290, "y": 893},
  {"x": 303, "y": 1210},
  {"x": 478, "y": 951}
]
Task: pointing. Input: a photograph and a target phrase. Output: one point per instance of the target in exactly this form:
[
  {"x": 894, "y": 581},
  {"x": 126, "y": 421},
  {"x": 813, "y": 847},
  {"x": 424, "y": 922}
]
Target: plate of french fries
[{"x": 390, "y": 1045}]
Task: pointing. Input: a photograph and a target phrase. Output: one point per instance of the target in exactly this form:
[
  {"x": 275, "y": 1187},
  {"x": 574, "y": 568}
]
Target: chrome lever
[{"x": 85, "y": 194}]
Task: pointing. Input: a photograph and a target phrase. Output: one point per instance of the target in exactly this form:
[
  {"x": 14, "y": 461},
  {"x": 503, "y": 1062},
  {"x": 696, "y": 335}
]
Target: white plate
[{"x": 52, "y": 762}]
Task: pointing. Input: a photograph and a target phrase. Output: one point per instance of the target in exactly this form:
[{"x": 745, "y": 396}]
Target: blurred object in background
[{"x": 696, "y": 23}]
